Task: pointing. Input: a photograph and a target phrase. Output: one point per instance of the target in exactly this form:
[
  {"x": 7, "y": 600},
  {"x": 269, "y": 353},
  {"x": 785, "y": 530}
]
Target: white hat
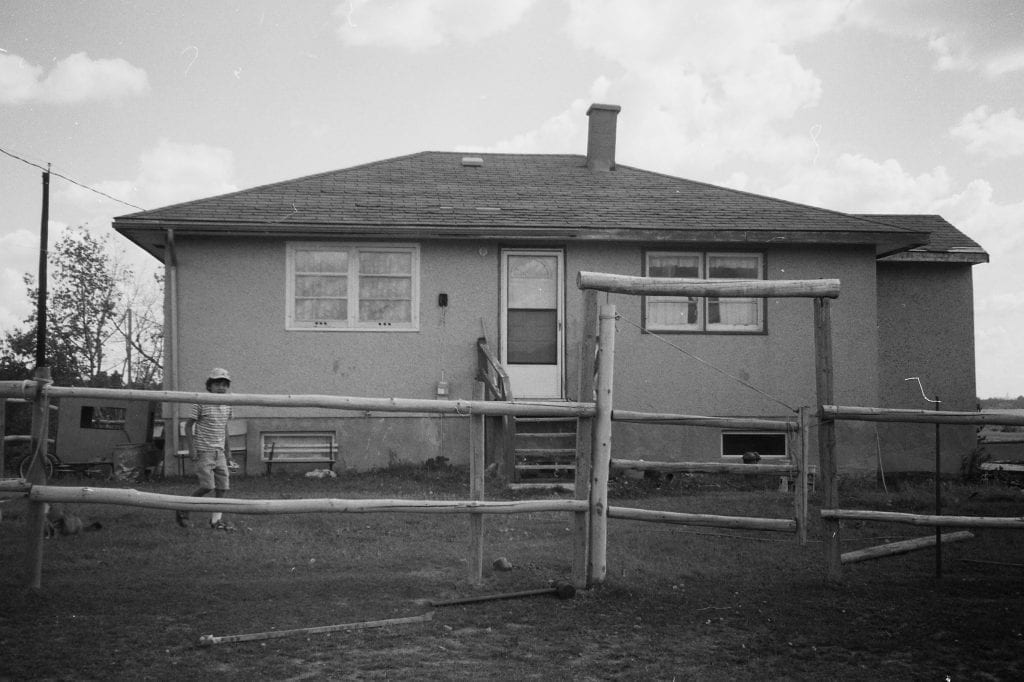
[{"x": 218, "y": 373}]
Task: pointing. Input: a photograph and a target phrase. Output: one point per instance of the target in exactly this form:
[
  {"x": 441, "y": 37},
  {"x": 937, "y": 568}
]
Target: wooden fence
[
  {"x": 832, "y": 514},
  {"x": 602, "y": 348}
]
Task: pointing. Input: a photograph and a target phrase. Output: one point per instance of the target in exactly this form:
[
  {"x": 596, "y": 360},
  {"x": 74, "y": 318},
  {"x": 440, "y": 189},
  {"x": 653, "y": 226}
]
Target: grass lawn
[{"x": 130, "y": 601}]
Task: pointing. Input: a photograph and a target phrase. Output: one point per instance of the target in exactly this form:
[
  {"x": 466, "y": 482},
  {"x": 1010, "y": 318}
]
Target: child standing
[{"x": 206, "y": 432}]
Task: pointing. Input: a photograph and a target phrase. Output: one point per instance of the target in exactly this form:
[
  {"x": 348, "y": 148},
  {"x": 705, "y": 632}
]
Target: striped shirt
[{"x": 211, "y": 421}]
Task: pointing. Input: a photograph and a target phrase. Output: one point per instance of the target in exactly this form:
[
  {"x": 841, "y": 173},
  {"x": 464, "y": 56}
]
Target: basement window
[{"x": 769, "y": 445}]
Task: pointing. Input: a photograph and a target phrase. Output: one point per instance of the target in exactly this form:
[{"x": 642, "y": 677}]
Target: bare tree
[{"x": 88, "y": 342}]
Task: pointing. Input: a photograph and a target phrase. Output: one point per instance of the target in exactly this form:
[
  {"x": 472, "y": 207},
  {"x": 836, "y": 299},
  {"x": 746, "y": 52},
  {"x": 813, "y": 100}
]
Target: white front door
[{"x": 532, "y": 340}]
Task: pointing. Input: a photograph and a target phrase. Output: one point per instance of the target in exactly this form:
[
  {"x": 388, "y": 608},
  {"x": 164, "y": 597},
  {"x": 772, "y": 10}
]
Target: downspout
[{"x": 171, "y": 266}]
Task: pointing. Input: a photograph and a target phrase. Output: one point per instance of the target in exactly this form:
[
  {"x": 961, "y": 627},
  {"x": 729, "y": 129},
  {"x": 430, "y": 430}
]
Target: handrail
[
  {"x": 497, "y": 387},
  {"x": 491, "y": 372}
]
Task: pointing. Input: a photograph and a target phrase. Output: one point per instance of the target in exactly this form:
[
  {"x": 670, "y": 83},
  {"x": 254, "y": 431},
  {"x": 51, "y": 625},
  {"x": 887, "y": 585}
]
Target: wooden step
[
  {"x": 566, "y": 487},
  {"x": 545, "y": 452}
]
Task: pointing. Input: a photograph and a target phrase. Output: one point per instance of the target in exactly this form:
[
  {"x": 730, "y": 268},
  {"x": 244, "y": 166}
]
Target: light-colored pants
[{"x": 212, "y": 469}]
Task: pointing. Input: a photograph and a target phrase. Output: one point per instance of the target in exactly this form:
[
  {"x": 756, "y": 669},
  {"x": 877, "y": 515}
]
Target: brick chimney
[{"x": 601, "y": 136}]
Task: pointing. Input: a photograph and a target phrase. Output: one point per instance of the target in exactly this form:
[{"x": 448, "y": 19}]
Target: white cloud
[
  {"x": 964, "y": 36},
  {"x": 19, "y": 80},
  {"x": 997, "y": 135},
  {"x": 18, "y": 252},
  {"x": 173, "y": 172},
  {"x": 75, "y": 78},
  {"x": 857, "y": 184},
  {"x": 418, "y": 24}
]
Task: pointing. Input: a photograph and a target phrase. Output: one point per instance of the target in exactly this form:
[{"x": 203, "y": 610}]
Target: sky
[{"x": 862, "y": 106}]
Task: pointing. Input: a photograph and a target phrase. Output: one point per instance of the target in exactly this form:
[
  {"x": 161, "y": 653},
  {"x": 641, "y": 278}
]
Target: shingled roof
[
  {"x": 946, "y": 243},
  {"x": 510, "y": 197}
]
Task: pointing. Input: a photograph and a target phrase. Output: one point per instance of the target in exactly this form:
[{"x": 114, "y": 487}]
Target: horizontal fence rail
[
  {"x": 135, "y": 498},
  {"x": 902, "y": 547},
  {"x": 677, "y": 286},
  {"x": 925, "y": 519},
  {"x": 359, "y": 404},
  {"x": 752, "y": 423},
  {"x": 713, "y": 520},
  {"x": 887, "y": 414},
  {"x": 706, "y": 467}
]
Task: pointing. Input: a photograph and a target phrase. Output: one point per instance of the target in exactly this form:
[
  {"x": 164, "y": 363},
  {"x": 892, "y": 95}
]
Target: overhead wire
[
  {"x": 71, "y": 180},
  {"x": 709, "y": 365}
]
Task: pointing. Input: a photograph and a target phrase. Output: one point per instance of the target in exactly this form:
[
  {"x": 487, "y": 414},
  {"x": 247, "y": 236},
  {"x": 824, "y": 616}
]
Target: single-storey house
[{"x": 380, "y": 280}]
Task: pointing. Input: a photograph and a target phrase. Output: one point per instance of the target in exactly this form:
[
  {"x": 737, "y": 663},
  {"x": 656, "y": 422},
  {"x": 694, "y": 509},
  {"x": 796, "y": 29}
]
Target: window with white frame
[
  {"x": 704, "y": 314},
  {"x": 334, "y": 286}
]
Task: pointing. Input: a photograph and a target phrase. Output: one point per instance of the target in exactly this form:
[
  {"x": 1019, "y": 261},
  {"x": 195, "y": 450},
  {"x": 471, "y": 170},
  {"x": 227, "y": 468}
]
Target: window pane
[
  {"x": 532, "y": 337},
  {"x": 312, "y": 309},
  {"x": 533, "y": 282},
  {"x": 385, "y": 311},
  {"x": 676, "y": 265},
  {"x": 112, "y": 418},
  {"x": 671, "y": 312},
  {"x": 387, "y": 288},
  {"x": 321, "y": 261},
  {"x": 736, "y": 312},
  {"x": 734, "y": 267},
  {"x": 308, "y": 286},
  {"x": 384, "y": 263}
]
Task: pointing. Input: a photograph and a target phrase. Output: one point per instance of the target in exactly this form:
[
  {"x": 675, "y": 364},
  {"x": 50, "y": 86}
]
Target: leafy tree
[{"x": 87, "y": 306}]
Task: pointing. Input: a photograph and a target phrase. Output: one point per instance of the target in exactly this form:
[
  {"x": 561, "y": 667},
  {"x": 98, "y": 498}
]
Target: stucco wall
[
  {"x": 651, "y": 375},
  {"x": 231, "y": 297},
  {"x": 926, "y": 330}
]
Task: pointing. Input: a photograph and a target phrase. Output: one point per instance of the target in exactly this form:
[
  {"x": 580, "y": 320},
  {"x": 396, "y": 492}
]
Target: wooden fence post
[
  {"x": 477, "y": 467},
  {"x": 36, "y": 518},
  {"x": 800, "y": 486},
  {"x": 827, "y": 435},
  {"x": 3, "y": 433},
  {"x": 602, "y": 448},
  {"x": 584, "y": 436}
]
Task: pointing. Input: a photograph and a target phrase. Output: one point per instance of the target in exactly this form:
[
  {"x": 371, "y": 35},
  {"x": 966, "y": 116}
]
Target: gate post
[
  {"x": 584, "y": 435},
  {"x": 602, "y": 448},
  {"x": 827, "y": 435},
  {"x": 36, "y": 519}
]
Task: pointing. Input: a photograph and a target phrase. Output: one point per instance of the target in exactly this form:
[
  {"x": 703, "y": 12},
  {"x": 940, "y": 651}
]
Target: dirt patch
[{"x": 131, "y": 601}]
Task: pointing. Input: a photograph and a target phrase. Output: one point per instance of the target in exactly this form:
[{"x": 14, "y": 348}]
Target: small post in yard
[
  {"x": 602, "y": 448},
  {"x": 827, "y": 435},
  {"x": 800, "y": 487},
  {"x": 476, "y": 490}
]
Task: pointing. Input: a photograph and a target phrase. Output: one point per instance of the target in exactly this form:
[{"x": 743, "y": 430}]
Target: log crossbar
[
  {"x": 360, "y": 404},
  {"x": 925, "y": 519},
  {"x": 887, "y": 414},
  {"x": 681, "y": 286},
  {"x": 752, "y": 423},
  {"x": 135, "y": 498},
  {"x": 713, "y": 520},
  {"x": 902, "y": 547},
  {"x": 705, "y": 467}
]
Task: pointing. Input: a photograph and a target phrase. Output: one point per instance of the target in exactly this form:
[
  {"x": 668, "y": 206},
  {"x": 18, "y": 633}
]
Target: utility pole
[
  {"x": 36, "y": 519},
  {"x": 44, "y": 229}
]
